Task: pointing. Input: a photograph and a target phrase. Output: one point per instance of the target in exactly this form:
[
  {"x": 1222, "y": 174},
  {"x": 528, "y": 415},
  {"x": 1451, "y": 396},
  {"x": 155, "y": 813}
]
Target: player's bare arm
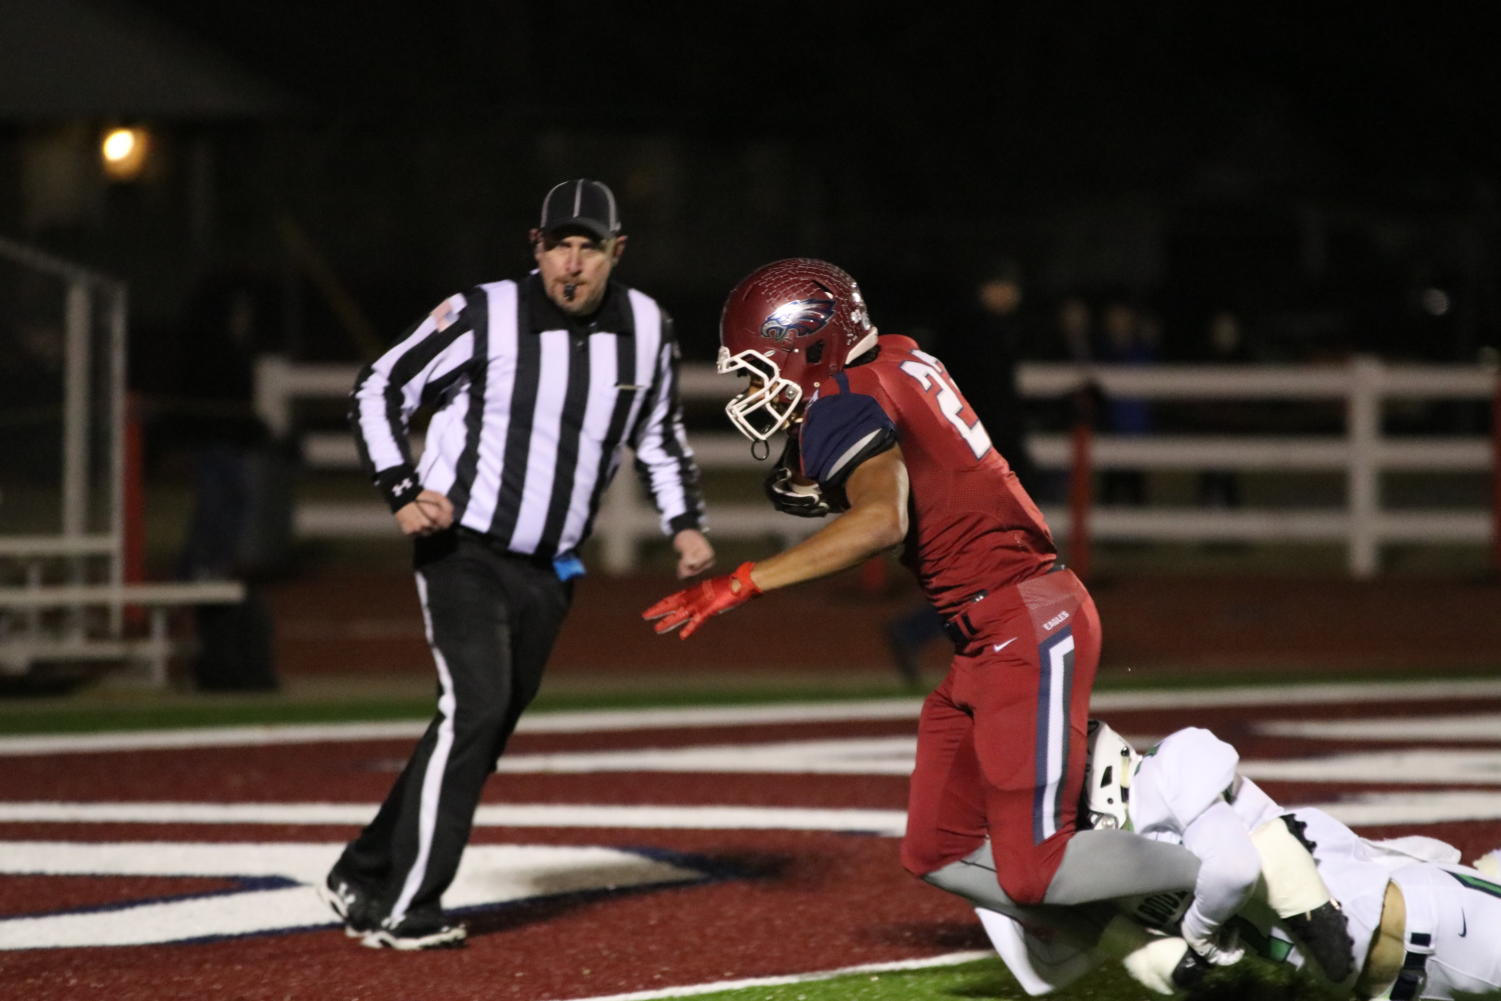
[{"x": 875, "y": 521}]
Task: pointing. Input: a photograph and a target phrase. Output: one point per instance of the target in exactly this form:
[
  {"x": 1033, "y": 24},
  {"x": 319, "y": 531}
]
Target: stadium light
[{"x": 123, "y": 152}]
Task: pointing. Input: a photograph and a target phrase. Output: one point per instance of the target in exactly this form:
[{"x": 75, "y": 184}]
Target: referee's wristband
[
  {"x": 399, "y": 486},
  {"x": 685, "y": 521}
]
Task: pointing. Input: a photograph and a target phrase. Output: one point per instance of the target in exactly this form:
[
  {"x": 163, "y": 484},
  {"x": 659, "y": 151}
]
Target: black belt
[
  {"x": 498, "y": 548},
  {"x": 961, "y": 630},
  {"x": 1410, "y": 979}
]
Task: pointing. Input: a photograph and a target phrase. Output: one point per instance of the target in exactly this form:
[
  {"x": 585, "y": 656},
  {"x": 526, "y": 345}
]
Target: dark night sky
[
  {"x": 920, "y": 132},
  {"x": 1139, "y": 87}
]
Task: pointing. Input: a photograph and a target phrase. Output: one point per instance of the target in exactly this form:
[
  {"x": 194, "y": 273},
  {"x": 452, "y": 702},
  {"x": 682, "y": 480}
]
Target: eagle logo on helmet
[{"x": 797, "y": 318}]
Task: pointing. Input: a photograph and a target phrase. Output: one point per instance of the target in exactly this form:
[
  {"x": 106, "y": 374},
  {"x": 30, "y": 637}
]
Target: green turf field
[{"x": 1251, "y": 980}]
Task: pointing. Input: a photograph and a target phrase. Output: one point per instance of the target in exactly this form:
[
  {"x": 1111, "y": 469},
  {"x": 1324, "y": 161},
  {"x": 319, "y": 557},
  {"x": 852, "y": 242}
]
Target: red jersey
[{"x": 973, "y": 527}]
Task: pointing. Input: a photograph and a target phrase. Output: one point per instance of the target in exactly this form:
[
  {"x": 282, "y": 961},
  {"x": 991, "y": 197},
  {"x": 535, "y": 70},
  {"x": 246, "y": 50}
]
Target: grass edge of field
[{"x": 959, "y": 976}]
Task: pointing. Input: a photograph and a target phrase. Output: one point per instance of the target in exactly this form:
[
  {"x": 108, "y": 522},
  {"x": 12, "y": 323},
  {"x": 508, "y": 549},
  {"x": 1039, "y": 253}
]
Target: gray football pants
[{"x": 1097, "y": 866}]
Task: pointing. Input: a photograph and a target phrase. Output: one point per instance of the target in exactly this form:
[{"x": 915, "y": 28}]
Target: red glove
[{"x": 691, "y": 606}]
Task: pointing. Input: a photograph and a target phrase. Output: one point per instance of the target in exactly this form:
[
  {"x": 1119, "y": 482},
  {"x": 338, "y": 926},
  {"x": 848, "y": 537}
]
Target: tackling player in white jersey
[{"x": 1421, "y": 926}]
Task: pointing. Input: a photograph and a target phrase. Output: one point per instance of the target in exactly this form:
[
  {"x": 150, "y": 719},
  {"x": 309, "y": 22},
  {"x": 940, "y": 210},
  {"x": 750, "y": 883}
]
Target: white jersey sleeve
[
  {"x": 1182, "y": 788},
  {"x": 1179, "y": 779}
]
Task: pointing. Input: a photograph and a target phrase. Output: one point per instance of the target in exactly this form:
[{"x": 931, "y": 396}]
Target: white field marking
[
  {"x": 1295, "y": 695},
  {"x": 1460, "y": 727},
  {"x": 1364, "y": 809},
  {"x": 1441, "y": 806},
  {"x": 1416, "y": 766},
  {"x": 638, "y": 719},
  {"x": 598, "y": 721},
  {"x": 852, "y": 756},
  {"x": 688, "y": 990},
  {"x": 889, "y": 823},
  {"x": 488, "y": 874}
]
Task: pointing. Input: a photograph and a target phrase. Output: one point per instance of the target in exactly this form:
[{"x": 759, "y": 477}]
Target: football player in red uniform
[{"x": 879, "y": 434}]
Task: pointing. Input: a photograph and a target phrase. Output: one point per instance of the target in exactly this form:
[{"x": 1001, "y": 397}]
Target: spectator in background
[
  {"x": 214, "y": 416},
  {"x": 231, "y": 454},
  {"x": 1074, "y": 325},
  {"x": 1128, "y": 338},
  {"x": 1224, "y": 343},
  {"x": 986, "y": 339},
  {"x": 1071, "y": 340}
]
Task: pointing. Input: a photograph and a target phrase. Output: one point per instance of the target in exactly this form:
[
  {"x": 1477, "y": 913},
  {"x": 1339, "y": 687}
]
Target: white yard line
[
  {"x": 1358, "y": 809},
  {"x": 597, "y": 721},
  {"x": 1459, "y": 727},
  {"x": 948, "y": 959},
  {"x": 640, "y": 719},
  {"x": 888, "y": 823},
  {"x": 1296, "y": 695}
]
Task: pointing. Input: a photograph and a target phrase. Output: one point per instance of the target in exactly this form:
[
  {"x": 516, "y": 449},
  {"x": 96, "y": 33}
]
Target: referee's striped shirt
[{"x": 530, "y": 409}]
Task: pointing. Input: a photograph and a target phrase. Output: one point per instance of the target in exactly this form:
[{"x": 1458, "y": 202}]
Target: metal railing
[
  {"x": 1361, "y": 453},
  {"x": 69, "y": 564}
]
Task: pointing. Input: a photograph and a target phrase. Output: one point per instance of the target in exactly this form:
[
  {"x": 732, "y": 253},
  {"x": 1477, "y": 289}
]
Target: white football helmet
[{"x": 1109, "y": 765}]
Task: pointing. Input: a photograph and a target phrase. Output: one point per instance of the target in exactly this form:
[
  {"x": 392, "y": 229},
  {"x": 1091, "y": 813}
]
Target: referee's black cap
[{"x": 581, "y": 204}]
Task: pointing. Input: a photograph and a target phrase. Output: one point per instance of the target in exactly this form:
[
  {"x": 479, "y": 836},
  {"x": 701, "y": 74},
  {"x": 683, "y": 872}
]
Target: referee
[{"x": 536, "y": 386}]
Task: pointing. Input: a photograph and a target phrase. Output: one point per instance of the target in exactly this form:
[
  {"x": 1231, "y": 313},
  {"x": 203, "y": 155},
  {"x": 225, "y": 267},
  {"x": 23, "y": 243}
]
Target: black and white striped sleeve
[
  {"x": 663, "y": 458},
  {"x": 434, "y": 354}
]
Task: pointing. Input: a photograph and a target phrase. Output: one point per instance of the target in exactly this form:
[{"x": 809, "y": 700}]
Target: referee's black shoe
[
  {"x": 353, "y": 903},
  {"x": 417, "y": 930}
]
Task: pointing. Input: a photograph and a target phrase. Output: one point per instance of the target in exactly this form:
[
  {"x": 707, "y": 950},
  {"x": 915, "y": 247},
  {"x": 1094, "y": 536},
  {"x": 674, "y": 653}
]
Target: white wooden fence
[{"x": 1361, "y": 453}]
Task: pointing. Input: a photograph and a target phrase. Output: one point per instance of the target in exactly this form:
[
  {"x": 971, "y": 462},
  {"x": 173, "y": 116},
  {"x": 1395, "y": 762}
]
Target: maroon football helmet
[{"x": 790, "y": 325}]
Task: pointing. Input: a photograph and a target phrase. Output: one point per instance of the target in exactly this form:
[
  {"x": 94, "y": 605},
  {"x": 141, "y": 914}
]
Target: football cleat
[
  {"x": 1190, "y": 971},
  {"x": 354, "y": 905},
  {"x": 428, "y": 930},
  {"x": 1324, "y": 933}
]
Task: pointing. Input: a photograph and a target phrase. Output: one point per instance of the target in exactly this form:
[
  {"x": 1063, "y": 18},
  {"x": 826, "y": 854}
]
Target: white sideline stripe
[
  {"x": 1300, "y": 695},
  {"x": 1479, "y": 727},
  {"x": 1394, "y": 808},
  {"x": 948, "y": 959},
  {"x": 838, "y": 756},
  {"x": 1416, "y": 766},
  {"x": 1360, "y": 810},
  {"x": 597, "y": 721},
  {"x": 889, "y": 823}
]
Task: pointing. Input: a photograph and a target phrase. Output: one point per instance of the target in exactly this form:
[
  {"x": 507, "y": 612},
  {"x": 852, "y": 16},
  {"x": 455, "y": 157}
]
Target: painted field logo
[{"x": 274, "y": 886}]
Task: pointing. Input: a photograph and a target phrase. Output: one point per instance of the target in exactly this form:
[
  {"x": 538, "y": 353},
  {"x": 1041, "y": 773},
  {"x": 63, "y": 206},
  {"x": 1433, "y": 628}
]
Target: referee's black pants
[{"x": 491, "y": 618}]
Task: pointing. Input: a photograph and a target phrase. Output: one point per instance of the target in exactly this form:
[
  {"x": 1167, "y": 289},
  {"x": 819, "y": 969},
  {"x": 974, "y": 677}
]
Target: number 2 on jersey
[{"x": 928, "y": 372}]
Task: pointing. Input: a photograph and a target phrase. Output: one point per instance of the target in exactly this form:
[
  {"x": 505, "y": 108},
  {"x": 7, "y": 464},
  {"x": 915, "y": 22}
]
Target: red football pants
[{"x": 1001, "y": 741}]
